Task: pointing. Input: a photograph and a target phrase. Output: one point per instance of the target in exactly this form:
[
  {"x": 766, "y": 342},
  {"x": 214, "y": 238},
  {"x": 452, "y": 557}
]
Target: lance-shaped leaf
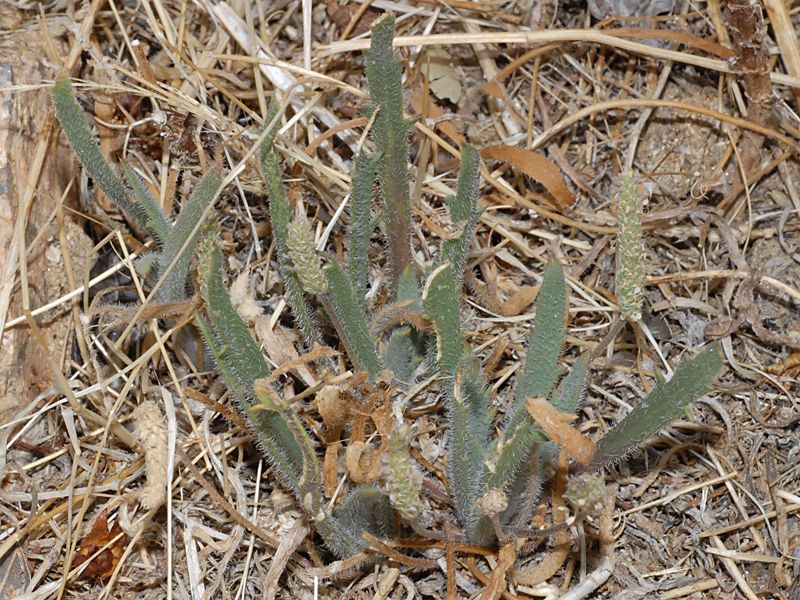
[
  {"x": 350, "y": 321},
  {"x": 469, "y": 424},
  {"x": 366, "y": 509},
  {"x": 309, "y": 484},
  {"x": 514, "y": 446},
  {"x": 390, "y": 132},
  {"x": 361, "y": 223},
  {"x": 569, "y": 395},
  {"x": 663, "y": 405},
  {"x": 464, "y": 211},
  {"x": 158, "y": 224},
  {"x": 82, "y": 141},
  {"x": 241, "y": 363},
  {"x": 630, "y": 271},
  {"x": 182, "y": 240},
  {"x": 545, "y": 342},
  {"x": 442, "y": 308},
  {"x": 280, "y": 214},
  {"x": 567, "y": 398}
]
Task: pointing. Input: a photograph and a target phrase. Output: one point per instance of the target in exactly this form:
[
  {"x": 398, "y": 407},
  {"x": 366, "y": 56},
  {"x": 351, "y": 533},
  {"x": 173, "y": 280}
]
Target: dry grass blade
[
  {"x": 786, "y": 36},
  {"x": 283, "y": 553},
  {"x": 543, "y": 37}
]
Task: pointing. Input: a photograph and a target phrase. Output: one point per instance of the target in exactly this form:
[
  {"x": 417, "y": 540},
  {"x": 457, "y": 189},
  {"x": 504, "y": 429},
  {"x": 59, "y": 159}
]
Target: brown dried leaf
[
  {"x": 315, "y": 353},
  {"x": 497, "y": 580},
  {"x": 445, "y": 81},
  {"x": 556, "y": 425},
  {"x": 519, "y": 301},
  {"x": 333, "y": 406},
  {"x": 790, "y": 366},
  {"x": 362, "y": 462},
  {"x": 329, "y": 464},
  {"x": 102, "y": 565},
  {"x": 536, "y": 166},
  {"x": 342, "y": 15},
  {"x": 552, "y": 562}
]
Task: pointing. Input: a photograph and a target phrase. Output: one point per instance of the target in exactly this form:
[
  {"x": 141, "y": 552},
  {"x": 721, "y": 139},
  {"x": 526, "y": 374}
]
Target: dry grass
[{"x": 708, "y": 510}]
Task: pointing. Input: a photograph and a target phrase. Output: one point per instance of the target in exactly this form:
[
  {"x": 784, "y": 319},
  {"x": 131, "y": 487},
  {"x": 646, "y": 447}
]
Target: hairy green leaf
[
  {"x": 390, "y": 132},
  {"x": 243, "y": 355},
  {"x": 361, "y": 223},
  {"x": 350, "y": 321},
  {"x": 158, "y": 225},
  {"x": 440, "y": 299},
  {"x": 469, "y": 424},
  {"x": 280, "y": 214},
  {"x": 82, "y": 140},
  {"x": 83, "y": 143},
  {"x": 464, "y": 211},
  {"x": 663, "y": 405},
  {"x": 366, "y": 509},
  {"x": 241, "y": 363},
  {"x": 176, "y": 249},
  {"x": 570, "y": 391},
  {"x": 545, "y": 342},
  {"x": 280, "y": 414}
]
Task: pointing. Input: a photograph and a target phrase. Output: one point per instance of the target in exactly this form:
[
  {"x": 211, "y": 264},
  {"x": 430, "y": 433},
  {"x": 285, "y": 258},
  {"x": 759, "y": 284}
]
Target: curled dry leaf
[
  {"x": 519, "y": 301},
  {"x": 363, "y": 463},
  {"x": 343, "y": 14},
  {"x": 243, "y": 298},
  {"x": 556, "y": 425},
  {"x": 102, "y": 565},
  {"x": 536, "y": 166},
  {"x": 497, "y": 583},
  {"x": 332, "y": 406},
  {"x": 445, "y": 81},
  {"x": 790, "y": 366}
]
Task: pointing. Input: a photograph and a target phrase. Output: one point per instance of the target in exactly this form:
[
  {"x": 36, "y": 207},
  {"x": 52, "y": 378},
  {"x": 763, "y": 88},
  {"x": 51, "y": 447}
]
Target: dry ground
[{"x": 708, "y": 510}]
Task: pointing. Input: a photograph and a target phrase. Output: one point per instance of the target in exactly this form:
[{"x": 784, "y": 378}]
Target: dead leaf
[
  {"x": 536, "y": 166},
  {"x": 330, "y": 478},
  {"x": 363, "y": 463},
  {"x": 521, "y": 299},
  {"x": 556, "y": 425},
  {"x": 497, "y": 580},
  {"x": 425, "y": 106},
  {"x": 242, "y": 297},
  {"x": 102, "y": 565},
  {"x": 789, "y": 367},
  {"x": 14, "y": 575},
  {"x": 280, "y": 347},
  {"x": 445, "y": 82},
  {"x": 342, "y": 15}
]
